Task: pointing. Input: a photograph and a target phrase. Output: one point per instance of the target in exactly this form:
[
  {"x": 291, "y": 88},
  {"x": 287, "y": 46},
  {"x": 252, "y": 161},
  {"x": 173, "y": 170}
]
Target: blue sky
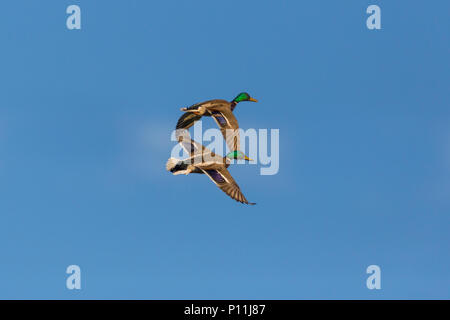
[{"x": 85, "y": 123}]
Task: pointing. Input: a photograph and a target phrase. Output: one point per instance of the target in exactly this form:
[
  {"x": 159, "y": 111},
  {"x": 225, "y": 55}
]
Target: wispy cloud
[{"x": 144, "y": 147}]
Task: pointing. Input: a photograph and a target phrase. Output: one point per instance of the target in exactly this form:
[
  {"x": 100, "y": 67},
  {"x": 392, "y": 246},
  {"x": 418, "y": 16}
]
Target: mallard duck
[
  {"x": 204, "y": 161},
  {"x": 222, "y": 112}
]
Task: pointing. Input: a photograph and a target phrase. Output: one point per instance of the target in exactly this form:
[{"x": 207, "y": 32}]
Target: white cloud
[{"x": 145, "y": 146}]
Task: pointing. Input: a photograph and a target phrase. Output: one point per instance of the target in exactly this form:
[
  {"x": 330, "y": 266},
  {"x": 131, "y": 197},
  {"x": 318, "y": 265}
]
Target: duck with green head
[
  {"x": 222, "y": 113},
  {"x": 204, "y": 161}
]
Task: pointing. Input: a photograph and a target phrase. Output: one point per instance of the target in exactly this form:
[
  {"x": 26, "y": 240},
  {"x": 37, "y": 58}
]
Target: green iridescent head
[
  {"x": 244, "y": 96},
  {"x": 239, "y": 155}
]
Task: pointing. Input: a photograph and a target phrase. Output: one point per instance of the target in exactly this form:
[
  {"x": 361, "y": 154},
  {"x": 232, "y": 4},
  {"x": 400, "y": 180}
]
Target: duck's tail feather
[
  {"x": 171, "y": 164},
  {"x": 174, "y": 165}
]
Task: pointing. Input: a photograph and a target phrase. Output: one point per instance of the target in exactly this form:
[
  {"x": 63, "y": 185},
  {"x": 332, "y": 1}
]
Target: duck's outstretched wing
[
  {"x": 187, "y": 120},
  {"x": 226, "y": 121},
  {"x": 229, "y": 127},
  {"x": 223, "y": 179}
]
